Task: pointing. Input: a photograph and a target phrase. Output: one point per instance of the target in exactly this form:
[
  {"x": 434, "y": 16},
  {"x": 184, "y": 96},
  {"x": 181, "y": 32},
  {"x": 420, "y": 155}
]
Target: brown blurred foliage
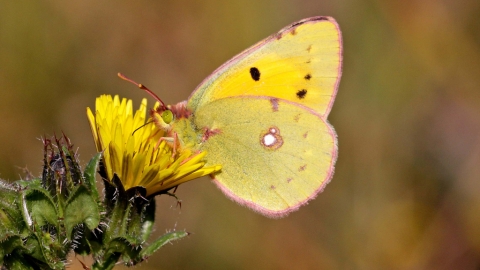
[{"x": 406, "y": 190}]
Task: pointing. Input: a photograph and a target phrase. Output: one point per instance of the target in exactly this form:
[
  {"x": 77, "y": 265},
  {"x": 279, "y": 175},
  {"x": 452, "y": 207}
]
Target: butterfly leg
[
  {"x": 175, "y": 142},
  {"x": 169, "y": 141}
]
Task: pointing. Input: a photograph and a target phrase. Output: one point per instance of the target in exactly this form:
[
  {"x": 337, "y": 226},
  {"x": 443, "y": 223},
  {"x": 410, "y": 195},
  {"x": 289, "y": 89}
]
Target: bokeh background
[{"x": 405, "y": 194}]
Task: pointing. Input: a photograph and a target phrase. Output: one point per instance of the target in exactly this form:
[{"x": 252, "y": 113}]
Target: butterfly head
[{"x": 162, "y": 117}]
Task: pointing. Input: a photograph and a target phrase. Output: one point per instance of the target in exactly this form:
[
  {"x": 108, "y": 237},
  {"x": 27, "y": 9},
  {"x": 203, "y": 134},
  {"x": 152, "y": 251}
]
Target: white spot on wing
[{"x": 271, "y": 139}]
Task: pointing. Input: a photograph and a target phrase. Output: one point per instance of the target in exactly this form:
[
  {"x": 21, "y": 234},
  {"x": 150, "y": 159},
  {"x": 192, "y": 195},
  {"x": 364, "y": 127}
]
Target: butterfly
[{"x": 263, "y": 117}]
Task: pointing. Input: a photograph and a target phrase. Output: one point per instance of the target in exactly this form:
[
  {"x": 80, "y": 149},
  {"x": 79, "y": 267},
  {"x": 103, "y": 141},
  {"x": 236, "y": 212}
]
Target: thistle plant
[{"x": 44, "y": 219}]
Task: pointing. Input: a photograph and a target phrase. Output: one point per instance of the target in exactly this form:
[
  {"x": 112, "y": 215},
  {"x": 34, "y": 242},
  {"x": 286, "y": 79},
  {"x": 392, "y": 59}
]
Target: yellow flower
[{"x": 133, "y": 149}]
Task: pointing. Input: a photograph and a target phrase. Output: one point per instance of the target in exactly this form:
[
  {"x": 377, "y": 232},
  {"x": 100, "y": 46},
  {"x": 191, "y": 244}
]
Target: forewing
[{"x": 301, "y": 63}]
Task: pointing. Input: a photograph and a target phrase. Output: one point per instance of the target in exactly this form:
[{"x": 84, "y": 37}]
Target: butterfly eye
[{"x": 167, "y": 116}]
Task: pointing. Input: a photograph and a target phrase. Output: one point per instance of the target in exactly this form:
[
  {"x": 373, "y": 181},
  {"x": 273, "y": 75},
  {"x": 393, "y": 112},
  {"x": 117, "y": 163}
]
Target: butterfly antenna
[
  {"x": 143, "y": 87},
  {"x": 141, "y": 127}
]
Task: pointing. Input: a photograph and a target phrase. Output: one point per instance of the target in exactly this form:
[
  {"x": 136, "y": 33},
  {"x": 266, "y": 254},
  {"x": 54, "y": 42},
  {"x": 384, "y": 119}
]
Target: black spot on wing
[
  {"x": 255, "y": 73},
  {"x": 308, "y": 77},
  {"x": 301, "y": 93}
]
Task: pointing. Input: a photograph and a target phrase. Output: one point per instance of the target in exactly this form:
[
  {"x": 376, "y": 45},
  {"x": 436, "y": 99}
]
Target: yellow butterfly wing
[
  {"x": 275, "y": 155},
  {"x": 301, "y": 63},
  {"x": 262, "y": 116}
]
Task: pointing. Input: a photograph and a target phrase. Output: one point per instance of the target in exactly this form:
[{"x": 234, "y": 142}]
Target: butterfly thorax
[
  {"x": 180, "y": 110},
  {"x": 183, "y": 125},
  {"x": 187, "y": 132}
]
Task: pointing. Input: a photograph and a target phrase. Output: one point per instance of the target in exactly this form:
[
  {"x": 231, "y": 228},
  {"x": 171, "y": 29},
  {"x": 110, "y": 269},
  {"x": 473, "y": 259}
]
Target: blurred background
[{"x": 405, "y": 194}]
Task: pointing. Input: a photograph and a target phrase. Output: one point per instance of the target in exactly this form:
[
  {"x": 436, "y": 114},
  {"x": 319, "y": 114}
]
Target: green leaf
[
  {"x": 149, "y": 219},
  {"x": 107, "y": 264},
  {"x": 117, "y": 247},
  {"x": 90, "y": 172},
  {"x": 34, "y": 183},
  {"x": 18, "y": 262},
  {"x": 118, "y": 211},
  {"x": 138, "y": 205},
  {"x": 11, "y": 220},
  {"x": 38, "y": 207},
  {"x": 81, "y": 207},
  {"x": 32, "y": 244},
  {"x": 160, "y": 242},
  {"x": 9, "y": 245}
]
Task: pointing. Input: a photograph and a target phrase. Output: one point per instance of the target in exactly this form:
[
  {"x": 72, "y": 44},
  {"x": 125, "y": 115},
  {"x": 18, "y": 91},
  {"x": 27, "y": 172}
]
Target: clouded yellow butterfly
[{"x": 263, "y": 117}]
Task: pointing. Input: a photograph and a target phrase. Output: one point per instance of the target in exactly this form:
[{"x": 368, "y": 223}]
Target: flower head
[{"x": 134, "y": 151}]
